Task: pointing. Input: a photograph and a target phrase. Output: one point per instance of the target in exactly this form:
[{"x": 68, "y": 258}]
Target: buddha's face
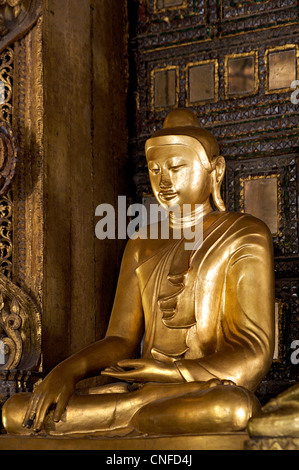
[{"x": 177, "y": 176}]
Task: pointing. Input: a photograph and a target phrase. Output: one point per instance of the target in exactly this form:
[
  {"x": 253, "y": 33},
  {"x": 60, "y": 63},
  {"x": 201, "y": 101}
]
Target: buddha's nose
[{"x": 165, "y": 181}]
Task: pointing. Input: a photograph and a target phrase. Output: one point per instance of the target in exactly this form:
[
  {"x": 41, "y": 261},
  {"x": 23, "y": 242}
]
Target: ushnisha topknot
[{"x": 182, "y": 127}]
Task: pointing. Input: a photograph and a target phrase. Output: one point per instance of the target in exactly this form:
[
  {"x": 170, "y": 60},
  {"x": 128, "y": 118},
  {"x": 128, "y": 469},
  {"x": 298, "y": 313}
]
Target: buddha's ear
[{"x": 217, "y": 179}]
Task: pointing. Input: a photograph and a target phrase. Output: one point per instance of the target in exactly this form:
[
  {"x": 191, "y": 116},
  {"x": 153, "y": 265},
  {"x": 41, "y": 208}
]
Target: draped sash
[{"x": 180, "y": 304}]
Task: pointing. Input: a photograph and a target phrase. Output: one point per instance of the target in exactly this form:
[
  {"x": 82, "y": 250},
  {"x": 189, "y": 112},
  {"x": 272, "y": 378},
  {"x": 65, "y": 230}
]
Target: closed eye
[
  {"x": 177, "y": 168},
  {"x": 155, "y": 171}
]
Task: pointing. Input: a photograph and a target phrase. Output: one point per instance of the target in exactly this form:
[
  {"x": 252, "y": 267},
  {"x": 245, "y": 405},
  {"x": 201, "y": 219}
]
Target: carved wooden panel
[
  {"x": 16, "y": 19},
  {"x": 20, "y": 206}
]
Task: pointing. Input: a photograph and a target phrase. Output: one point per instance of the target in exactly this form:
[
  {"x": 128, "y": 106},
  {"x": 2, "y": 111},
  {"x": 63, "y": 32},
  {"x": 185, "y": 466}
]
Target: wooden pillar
[{"x": 73, "y": 157}]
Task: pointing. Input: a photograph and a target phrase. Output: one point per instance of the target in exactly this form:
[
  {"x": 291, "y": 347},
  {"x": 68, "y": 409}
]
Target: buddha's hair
[{"x": 184, "y": 122}]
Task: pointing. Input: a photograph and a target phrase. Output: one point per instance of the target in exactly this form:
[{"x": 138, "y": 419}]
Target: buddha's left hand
[{"x": 144, "y": 370}]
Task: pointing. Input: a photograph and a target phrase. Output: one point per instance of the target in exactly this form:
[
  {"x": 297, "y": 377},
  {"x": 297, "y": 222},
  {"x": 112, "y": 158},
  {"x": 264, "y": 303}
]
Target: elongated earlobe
[{"x": 217, "y": 179}]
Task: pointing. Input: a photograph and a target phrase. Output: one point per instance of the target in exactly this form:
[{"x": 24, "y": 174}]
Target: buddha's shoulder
[
  {"x": 147, "y": 240},
  {"x": 240, "y": 221}
]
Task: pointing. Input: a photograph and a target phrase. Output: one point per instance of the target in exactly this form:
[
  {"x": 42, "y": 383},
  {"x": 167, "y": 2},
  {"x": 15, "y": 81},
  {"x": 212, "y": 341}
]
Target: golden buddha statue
[
  {"x": 205, "y": 316},
  {"x": 279, "y": 418}
]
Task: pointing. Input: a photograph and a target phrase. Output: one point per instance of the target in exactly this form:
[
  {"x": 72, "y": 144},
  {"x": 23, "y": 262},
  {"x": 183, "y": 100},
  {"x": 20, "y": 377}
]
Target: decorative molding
[
  {"x": 6, "y": 79},
  {"x": 8, "y": 159},
  {"x": 16, "y": 18},
  {"x": 6, "y": 245},
  {"x": 11, "y": 344},
  {"x": 287, "y": 443}
]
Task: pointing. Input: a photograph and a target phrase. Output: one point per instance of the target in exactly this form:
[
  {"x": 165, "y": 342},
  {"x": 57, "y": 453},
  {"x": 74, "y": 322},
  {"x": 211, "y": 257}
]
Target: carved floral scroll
[
  {"x": 16, "y": 19},
  {"x": 8, "y": 156},
  {"x": 20, "y": 328}
]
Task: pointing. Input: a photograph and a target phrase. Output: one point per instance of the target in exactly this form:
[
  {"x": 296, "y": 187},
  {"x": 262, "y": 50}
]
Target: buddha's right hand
[{"x": 55, "y": 390}]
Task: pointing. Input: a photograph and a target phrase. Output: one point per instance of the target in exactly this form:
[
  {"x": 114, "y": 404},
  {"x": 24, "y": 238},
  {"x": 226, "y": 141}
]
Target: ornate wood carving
[
  {"x": 16, "y": 18},
  {"x": 20, "y": 328},
  {"x": 8, "y": 156},
  {"x": 20, "y": 340},
  {"x": 21, "y": 209}
]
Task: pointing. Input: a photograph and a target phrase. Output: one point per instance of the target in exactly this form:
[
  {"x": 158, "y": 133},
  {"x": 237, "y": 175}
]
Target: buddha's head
[{"x": 184, "y": 162}]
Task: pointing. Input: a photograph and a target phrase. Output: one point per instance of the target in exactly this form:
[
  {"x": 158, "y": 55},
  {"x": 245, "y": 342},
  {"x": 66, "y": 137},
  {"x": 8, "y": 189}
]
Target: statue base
[
  {"x": 273, "y": 443},
  {"x": 229, "y": 441}
]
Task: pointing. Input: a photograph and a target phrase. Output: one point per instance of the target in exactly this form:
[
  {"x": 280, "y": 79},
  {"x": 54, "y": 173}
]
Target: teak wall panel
[
  {"x": 110, "y": 83},
  {"x": 85, "y": 152},
  {"x": 82, "y": 323},
  {"x": 60, "y": 65}
]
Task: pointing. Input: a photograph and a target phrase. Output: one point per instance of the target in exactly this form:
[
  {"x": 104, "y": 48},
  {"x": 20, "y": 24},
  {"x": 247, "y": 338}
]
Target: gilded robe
[{"x": 210, "y": 311}]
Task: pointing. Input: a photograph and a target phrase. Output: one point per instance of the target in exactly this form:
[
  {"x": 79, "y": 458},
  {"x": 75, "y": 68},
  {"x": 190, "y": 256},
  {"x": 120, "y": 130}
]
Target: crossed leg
[{"x": 152, "y": 409}]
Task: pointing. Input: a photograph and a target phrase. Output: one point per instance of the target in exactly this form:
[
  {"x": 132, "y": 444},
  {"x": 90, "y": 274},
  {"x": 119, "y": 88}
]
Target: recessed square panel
[
  {"x": 161, "y": 4},
  {"x": 261, "y": 200},
  {"x": 165, "y": 83},
  {"x": 201, "y": 82},
  {"x": 241, "y": 75},
  {"x": 282, "y": 66}
]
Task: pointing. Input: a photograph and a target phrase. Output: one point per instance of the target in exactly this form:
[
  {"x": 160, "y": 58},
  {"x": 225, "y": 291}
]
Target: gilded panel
[
  {"x": 164, "y": 87},
  {"x": 261, "y": 197},
  {"x": 241, "y": 74},
  {"x": 163, "y": 5},
  {"x": 281, "y": 68},
  {"x": 280, "y": 171},
  {"x": 202, "y": 82}
]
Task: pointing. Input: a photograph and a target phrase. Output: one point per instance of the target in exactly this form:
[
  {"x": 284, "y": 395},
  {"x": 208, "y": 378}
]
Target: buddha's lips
[{"x": 167, "y": 195}]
